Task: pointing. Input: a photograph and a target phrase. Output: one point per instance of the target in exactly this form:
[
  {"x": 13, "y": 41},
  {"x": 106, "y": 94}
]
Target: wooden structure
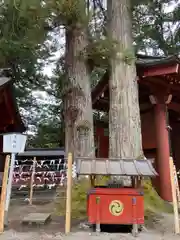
[
  {"x": 159, "y": 97},
  {"x": 116, "y": 203},
  {"x": 116, "y": 206},
  {"x": 10, "y": 118},
  {"x": 49, "y": 170}
]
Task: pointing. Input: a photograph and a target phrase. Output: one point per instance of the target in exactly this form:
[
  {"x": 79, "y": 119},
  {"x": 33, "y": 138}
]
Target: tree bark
[
  {"x": 77, "y": 101},
  {"x": 124, "y": 116}
]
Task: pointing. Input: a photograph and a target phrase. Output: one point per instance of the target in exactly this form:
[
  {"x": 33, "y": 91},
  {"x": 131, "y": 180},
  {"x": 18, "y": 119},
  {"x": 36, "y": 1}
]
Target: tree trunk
[
  {"x": 77, "y": 101},
  {"x": 124, "y": 116}
]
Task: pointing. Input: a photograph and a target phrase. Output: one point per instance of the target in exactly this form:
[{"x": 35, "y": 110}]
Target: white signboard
[{"x": 14, "y": 143}]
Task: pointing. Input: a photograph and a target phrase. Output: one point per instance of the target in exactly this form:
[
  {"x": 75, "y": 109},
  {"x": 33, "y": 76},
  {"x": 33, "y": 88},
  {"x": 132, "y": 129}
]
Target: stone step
[{"x": 36, "y": 218}]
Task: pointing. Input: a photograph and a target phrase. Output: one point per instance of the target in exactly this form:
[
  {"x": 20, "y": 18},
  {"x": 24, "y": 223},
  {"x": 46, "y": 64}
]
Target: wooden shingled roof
[{"x": 117, "y": 167}]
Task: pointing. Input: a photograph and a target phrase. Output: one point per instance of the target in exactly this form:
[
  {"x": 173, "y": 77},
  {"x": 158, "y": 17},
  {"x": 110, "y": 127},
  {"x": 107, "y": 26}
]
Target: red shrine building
[
  {"x": 10, "y": 120},
  {"x": 159, "y": 101}
]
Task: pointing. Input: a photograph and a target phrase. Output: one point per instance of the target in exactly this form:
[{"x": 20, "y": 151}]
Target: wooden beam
[
  {"x": 68, "y": 194},
  {"x": 174, "y": 106},
  {"x": 8, "y": 106},
  {"x": 2, "y": 94},
  {"x": 100, "y": 87},
  {"x": 104, "y": 106},
  {"x": 101, "y": 106},
  {"x": 160, "y": 70},
  {"x": 154, "y": 83},
  {"x": 145, "y": 106},
  {"x": 5, "y": 119}
]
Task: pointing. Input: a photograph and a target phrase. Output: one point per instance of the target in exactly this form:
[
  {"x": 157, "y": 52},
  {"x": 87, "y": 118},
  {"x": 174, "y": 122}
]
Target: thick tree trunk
[
  {"x": 124, "y": 115},
  {"x": 77, "y": 101}
]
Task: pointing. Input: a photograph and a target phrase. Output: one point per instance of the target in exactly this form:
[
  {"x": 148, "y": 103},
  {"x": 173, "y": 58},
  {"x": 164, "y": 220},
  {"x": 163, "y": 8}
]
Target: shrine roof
[
  {"x": 151, "y": 61},
  {"x": 152, "y": 73},
  {"x": 43, "y": 152},
  {"x": 144, "y": 62}
]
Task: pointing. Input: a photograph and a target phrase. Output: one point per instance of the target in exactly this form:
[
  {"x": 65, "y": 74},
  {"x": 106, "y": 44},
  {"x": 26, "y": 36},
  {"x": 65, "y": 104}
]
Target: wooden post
[
  {"x": 9, "y": 186},
  {"x": 32, "y": 181},
  {"x": 174, "y": 197},
  {"x": 176, "y": 184},
  {"x": 163, "y": 150},
  {"x": 3, "y": 193},
  {"x": 139, "y": 182},
  {"x": 133, "y": 180},
  {"x": 98, "y": 224},
  {"x": 68, "y": 194},
  {"x": 135, "y": 225},
  {"x": 93, "y": 180}
]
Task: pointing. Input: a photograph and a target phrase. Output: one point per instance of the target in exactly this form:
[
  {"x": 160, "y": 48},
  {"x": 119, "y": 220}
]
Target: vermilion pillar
[{"x": 163, "y": 151}]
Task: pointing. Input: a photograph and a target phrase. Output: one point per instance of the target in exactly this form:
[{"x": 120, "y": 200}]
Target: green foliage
[
  {"x": 79, "y": 197},
  {"x": 128, "y": 56},
  {"x": 48, "y": 135},
  {"x": 156, "y": 26},
  {"x": 79, "y": 200},
  {"x": 99, "y": 52},
  {"x": 26, "y": 43},
  {"x": 152, "y": 199},
  {"x": 49, "y": 127},
  {"x": 23, "y": 47},
  {"x": 154, "y": 205},
  {"x": 69, "y": 13},
  {"x": 96, "y": 75},
  {"x": 22, "y": 31}
]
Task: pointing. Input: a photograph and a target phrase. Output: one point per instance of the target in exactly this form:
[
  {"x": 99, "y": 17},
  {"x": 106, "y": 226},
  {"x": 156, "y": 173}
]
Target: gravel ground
[
  {"x": 162, "y": 229},
  {"x": 12, "y": 235}
]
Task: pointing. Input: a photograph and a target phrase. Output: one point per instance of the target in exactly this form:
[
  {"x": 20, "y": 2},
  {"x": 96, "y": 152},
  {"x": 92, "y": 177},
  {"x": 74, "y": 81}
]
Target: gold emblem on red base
[{"x": 116, "y": 208}]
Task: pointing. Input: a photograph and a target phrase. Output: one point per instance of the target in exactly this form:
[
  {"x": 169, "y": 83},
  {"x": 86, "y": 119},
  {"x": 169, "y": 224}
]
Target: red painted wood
[
  {"x": 103, "y": 143},
  {"x": 148, "y": 130},
  {"x": 160, "y": 70},
  {"x": 151, "y": 125},
  {"x": 132, "y": 203},
  {"x": 148, "y": 135},
  {"x": 175, "y": 141},
  {"x": 163, "y": 153}
]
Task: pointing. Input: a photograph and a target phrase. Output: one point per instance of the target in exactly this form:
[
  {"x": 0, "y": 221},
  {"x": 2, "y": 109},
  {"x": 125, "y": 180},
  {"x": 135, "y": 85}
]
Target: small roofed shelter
[
  {"x": 159, "y": 100},
  {"x": 10, "y": 120}
]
